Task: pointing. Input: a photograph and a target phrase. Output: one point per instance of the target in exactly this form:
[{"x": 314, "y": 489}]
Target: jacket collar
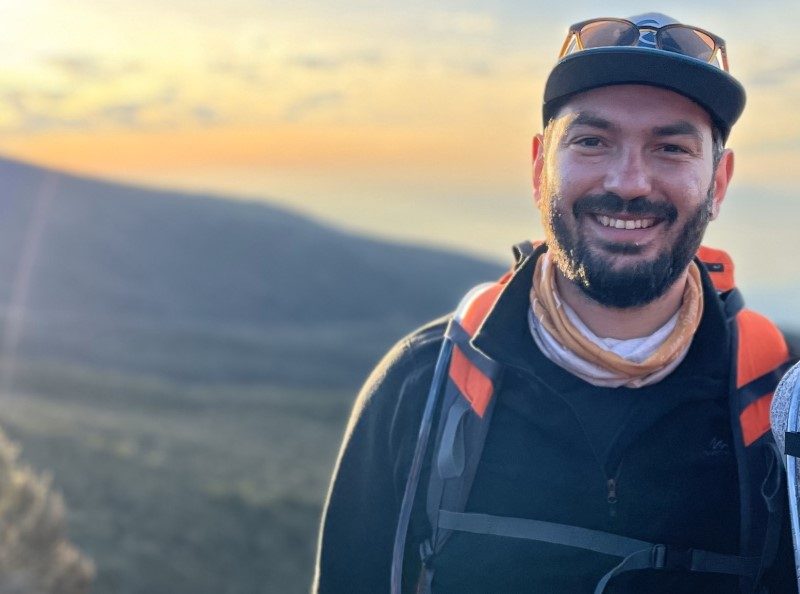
[{"x": 505, "y": 337}]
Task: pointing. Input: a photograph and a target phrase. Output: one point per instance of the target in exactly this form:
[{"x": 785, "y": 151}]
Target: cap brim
[{"x": 712, "y": 88}]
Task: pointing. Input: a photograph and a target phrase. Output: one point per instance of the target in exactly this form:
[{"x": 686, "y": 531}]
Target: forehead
[{"x": 638, "y": 106}]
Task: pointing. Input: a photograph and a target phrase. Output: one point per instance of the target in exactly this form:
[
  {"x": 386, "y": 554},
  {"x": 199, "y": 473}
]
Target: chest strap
[{"x": 636, "y": 554}]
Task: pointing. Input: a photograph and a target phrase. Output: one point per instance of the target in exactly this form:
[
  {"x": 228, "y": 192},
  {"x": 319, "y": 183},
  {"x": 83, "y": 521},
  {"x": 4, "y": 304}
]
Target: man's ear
[
  {"x": 537, "y": 156},
  {"x": 722, "y": 177}
]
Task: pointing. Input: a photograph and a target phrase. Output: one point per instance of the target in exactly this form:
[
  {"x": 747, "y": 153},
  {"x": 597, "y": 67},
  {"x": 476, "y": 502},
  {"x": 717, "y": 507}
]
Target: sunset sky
[{"x": 405, "y": 119}]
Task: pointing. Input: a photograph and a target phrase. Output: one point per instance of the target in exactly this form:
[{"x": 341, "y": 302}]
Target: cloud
[
  {"x": 247, "y": 71},
  {"x": 310, "y": 103},
  {"x": 33, "y": 123},
  {"x": 32, "y": 110},
  {"x": 40, "y": 110},
  {"x": 319, "y": 61},
  {"x": 125, "y": 114},
  {"x": 205, "y": 115},
  {"x": 85, "y": 67}
]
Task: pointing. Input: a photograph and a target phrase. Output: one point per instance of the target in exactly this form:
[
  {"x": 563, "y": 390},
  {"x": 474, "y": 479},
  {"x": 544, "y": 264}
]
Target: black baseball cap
[{"x": 642, "y": 62}]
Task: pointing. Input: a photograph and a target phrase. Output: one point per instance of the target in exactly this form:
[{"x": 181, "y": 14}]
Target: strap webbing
[
  {"x": 792, "y": 442},
  {"x": 439, "y": 378},
  {"x": 458, "y": 335},
  {"x": 733, "y": 303},
  {"x": 637, "y": 554},
  {"x": 561, "y": 534}
]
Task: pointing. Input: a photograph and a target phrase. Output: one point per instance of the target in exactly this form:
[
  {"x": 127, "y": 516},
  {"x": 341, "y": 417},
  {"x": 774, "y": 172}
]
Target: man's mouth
[{"x": 642, "y": 223}]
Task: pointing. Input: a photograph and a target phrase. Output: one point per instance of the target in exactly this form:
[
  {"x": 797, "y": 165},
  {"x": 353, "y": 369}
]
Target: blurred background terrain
[
  {"x": 216, "y": 217},
  {"x": 183, "y": 366}
]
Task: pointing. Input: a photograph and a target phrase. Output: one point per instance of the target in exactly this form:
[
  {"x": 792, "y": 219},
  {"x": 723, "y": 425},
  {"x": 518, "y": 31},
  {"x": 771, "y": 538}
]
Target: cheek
[
  {"x": 685, "y": 182},
  {"x": 688, "y": 193},
  {"x": 559, "y": 173}
]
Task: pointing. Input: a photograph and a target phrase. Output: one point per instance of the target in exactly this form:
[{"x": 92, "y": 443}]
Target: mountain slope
[{"x": 126, "y": 278}]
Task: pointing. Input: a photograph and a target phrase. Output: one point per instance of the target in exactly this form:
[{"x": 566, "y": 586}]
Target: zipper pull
[{"x": 611, "y": 485}]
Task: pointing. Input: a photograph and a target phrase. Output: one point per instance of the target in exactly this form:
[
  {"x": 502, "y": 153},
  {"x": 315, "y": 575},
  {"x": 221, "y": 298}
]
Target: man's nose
[{"x": 628, "y": 175}]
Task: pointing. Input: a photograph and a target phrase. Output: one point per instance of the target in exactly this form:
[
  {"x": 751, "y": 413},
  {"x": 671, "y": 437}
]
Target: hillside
[
  {"x": 183, "y": 366},
  {"x": 122, "y": 277}
]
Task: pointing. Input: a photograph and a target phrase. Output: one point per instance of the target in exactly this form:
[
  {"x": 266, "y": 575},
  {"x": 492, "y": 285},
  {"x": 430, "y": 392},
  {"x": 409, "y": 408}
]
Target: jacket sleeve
[{"x": 360, "y": 514}]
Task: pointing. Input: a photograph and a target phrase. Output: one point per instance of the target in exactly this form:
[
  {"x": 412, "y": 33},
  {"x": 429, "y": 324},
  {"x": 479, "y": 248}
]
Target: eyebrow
[
  {"x": 585, "y": 118},
  {"x": 681, "y": 128}
]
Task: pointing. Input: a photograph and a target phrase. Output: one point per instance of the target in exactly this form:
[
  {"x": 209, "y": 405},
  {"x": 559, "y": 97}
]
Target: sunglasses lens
[
  {"x": 687, "y": 41},
  {"x": 608, "y": 33}
]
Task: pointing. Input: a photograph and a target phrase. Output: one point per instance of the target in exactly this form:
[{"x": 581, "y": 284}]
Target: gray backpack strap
[
  {"x": 459, "y": 444},
  {"x": 439, "y": 386},
  {"x": 460, "y": 438},
  {"x": 635, "y": 554}
]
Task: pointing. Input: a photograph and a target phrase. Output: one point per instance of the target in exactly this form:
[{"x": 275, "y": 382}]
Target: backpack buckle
[
  {"x": 425, "y": 551},
  {"x": 664, "y": 557}
]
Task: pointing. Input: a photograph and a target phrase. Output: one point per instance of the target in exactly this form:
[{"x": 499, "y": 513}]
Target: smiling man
[{"x": 598, "y": 420}]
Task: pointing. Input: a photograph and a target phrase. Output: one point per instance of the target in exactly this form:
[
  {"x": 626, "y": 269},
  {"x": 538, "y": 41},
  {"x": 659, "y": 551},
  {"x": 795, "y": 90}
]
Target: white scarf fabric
[{"x": 635, "y": 350}]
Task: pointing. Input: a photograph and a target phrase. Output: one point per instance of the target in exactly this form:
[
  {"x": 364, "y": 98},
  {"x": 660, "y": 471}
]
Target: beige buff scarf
[{"x": 565, "y": 340}]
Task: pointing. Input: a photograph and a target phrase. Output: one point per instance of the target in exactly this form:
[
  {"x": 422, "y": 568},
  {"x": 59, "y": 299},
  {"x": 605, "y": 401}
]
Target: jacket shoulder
[
  {"x": 418, "y": 348},
  {"x": 394, "y": 392}
]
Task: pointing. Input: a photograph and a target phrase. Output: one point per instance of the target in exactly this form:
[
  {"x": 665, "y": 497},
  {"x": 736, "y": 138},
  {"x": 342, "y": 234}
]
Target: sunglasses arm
[{"x": 573, "y": 37}]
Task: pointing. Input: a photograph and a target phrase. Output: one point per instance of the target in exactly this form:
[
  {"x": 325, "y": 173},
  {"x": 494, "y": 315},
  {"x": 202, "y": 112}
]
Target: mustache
[{"x": 610, "y": 204}]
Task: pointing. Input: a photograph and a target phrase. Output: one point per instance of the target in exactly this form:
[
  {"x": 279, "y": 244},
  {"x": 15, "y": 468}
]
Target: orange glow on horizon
[{"x": 285, "y": 147}]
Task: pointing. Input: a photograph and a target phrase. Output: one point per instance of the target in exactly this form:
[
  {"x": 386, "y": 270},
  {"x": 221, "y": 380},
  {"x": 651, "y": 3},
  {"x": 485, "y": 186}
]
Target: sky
[{"x": 406, "y": 120}]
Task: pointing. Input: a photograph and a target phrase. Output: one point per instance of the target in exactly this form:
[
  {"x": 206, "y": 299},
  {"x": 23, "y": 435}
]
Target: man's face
[{"x": 626, "y": 183}]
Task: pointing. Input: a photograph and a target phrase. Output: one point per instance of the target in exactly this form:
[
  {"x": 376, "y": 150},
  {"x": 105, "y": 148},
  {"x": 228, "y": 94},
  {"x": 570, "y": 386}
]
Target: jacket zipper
[
  {"x": 612, "y": 483},
  {"x": 612, "y": 494}
]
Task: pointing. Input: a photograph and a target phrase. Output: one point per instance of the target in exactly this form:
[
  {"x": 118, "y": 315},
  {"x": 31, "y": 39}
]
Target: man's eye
[
  {"x": 673, "y": 148},
  {"x": 589, "y": 142}
]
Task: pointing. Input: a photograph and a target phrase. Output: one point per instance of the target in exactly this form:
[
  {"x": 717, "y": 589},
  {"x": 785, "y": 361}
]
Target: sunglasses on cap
[{"x": 680, "y": 39}]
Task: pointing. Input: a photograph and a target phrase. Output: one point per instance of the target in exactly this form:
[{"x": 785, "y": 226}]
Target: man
[{"x": 599, "y": 424}]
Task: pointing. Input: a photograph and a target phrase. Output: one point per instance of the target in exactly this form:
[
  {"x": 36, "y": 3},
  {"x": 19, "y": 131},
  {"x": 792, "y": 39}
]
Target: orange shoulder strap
[
  {"x": 761, "y": 359},
  {"x": 475, "y": 385},
  {"x": 719, "y": 266}
]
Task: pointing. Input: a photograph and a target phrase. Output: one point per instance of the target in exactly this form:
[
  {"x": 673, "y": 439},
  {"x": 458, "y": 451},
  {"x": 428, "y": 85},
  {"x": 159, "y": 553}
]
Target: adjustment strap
[
  {"x": 792, "y": 444},
  {"x": 637, "y": 554},
  {"x": 561, "y": 534},
  {"x": 488, "y": 367},
  {"x": 733, "y": 302},
  {"x": 664, "y": 557}
]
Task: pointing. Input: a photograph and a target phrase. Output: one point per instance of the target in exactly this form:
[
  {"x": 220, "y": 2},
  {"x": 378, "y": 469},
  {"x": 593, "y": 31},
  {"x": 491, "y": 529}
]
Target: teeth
[{"x": 625, "y": 224}]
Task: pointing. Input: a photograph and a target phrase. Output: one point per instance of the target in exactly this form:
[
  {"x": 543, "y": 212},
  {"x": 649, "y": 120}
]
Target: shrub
[{"x": 35, "y": 555}]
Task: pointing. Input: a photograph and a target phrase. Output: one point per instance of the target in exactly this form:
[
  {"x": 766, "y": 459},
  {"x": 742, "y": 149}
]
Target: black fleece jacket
[{"x": 554, "y": 443}]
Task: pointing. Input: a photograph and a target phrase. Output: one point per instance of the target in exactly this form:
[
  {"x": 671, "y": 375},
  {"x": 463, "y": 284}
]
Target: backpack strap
[
  {"x": 635, "y": 554},
  {"x": 465, "y": 381},
  {"x": 719, "y": 266},
  {"x": 457, "y": 368},
  {"x": 761, "y": 358},
  {"x": 467, "y": 407}
]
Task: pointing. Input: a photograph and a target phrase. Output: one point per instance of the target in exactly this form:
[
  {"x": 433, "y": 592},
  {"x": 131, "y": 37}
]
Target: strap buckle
[
  {"x": 426, "y": 550},
  {"x": 664, "y": 557}
]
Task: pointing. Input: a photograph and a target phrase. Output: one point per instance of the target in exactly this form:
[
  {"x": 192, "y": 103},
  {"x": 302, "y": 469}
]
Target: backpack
[{"x": 461, "y": 395}]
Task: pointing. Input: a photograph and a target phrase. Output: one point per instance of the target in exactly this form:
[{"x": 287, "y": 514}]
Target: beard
[{"x": 594, "y": 272}]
